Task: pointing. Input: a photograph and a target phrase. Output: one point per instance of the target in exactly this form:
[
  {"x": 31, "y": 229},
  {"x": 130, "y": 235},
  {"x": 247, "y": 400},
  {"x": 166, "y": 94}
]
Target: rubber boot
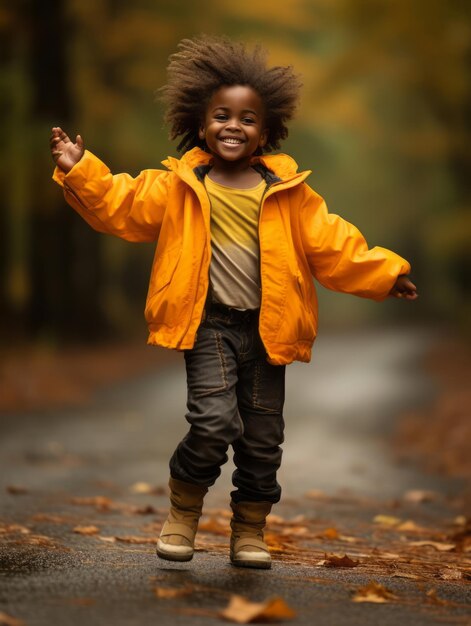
[
  {"x": 248, "y": 548},
  {"x": 177, "y": 538}
]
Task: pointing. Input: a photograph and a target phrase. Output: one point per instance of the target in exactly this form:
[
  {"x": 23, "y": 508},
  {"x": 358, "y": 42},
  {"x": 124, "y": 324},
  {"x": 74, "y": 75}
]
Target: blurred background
[{"x": 384, "y": 124}]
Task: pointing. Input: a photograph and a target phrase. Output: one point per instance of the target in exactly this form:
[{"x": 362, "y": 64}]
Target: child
[{"x": 239, "y": 236}]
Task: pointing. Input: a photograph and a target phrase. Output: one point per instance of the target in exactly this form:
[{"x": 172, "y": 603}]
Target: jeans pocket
[
  {"x": 206, "y": 365},
  {"x": 269, "y": 387}
]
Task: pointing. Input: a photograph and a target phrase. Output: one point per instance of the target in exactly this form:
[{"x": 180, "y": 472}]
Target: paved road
[{"x": 340, "y": 413}]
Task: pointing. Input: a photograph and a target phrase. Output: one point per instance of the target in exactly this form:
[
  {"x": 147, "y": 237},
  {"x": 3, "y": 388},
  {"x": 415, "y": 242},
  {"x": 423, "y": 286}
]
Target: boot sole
[
  {"x": 253, "y": 563},
  {"x": 169, "y": 553},
  {"x": 171, "y": 556}
]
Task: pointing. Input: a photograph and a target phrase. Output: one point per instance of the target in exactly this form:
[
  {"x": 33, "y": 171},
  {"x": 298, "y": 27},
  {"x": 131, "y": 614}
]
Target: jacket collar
[{"x": 272, "y": 167}]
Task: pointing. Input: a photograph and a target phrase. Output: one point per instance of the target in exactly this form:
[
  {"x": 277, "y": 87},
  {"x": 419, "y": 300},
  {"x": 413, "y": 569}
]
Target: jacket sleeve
[
  {"x": 130, "y": 208},
  {"x": 338, "y": 254}
]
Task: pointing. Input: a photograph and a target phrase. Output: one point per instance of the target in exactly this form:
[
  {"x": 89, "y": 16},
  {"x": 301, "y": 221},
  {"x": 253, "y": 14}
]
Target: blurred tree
[{"x": 384, "y": 123}]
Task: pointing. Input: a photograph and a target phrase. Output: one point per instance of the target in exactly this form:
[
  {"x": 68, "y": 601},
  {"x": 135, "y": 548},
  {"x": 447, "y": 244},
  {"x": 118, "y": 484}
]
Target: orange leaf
[
  {"x": 8, "y": 620},
  {"x": 329, "y": 533},
  {"x": 214, "y": 526},
  {"x": 334, "y": 560},
  {"x": 168, "y": 594},
  {"x": 387, "y": 520},
  {"x": 373, "y": 592},
  {"x": 86, "y": 530},
  {"x": 242, "y": 611}
]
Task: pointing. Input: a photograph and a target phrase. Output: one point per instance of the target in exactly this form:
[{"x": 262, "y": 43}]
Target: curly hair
[{"x": 203, "y": 65}]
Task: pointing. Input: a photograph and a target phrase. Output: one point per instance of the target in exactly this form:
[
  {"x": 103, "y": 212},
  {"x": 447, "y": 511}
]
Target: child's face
[{"x": 233, "y": 127}]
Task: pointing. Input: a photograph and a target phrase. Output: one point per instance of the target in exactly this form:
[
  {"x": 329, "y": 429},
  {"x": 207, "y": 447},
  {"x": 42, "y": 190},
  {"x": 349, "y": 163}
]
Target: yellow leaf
[
  {"x": 387, "y": 520},
  {"x": 242, "y": 611},
  {"x": 86, "y": 530}
]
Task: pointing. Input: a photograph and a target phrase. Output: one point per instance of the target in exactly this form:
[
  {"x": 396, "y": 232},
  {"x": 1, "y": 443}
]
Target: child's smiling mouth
[{"x": 231, "y": 140}]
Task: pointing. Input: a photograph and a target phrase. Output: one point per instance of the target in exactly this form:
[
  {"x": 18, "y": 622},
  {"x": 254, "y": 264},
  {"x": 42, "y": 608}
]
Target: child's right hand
[{"x": 64, "y": 152}]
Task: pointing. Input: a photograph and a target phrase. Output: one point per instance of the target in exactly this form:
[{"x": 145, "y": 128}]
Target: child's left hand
[{"x": 404, "y": 288}]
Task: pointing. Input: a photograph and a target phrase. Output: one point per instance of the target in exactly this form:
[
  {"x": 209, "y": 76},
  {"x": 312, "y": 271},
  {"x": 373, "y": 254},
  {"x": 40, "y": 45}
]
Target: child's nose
[{"x": 233, "y": 124}]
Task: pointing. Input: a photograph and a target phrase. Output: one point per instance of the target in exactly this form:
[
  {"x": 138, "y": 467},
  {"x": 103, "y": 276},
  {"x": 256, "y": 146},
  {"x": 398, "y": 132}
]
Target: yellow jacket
[{"x": 298, "y": 239}]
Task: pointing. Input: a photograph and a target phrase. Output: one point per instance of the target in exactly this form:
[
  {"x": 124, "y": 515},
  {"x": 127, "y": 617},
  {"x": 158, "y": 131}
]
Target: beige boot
[
  {"x": 177, "y": 538},
  {"x": 247, "y": 546}
]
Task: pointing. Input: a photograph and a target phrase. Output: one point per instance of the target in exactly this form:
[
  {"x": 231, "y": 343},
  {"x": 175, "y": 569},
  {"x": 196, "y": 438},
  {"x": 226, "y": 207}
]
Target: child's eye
[
  {"x": 220, "y": 116},
  {"x": 248, "y": 120}
]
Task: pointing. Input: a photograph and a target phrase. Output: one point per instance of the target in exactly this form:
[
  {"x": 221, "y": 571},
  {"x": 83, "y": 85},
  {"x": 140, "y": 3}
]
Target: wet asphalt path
[{"x": 340, "y": 412}]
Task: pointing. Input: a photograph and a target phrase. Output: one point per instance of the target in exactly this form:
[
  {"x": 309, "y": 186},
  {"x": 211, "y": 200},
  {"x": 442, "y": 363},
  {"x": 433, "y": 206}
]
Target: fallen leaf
[
  {"x": 147, "y": 488},
  {"x": 6, "y": 529},
  {"x": 17, "y": 490},
  {"x": 107, "y": 539},
  {"x": 334, "y": 560},
  {"x": 410, "y": 526},
  {"x": 329, "y": 533},
  {"x": 242, "y": 611},
  {"x": 8, "y": 620},
  {"x": 316, "y": 494},
  {"x": 417, "y": 496},
  {"x": 86, "y": 530},
  {"x": 460, "y": 520},
  {"x": 168, "y": 594},
  {"x": 374, "y": 592},
  {"x": 145, "y": 510},
  {"x": 438, "y": 545},
  {"x": 451, "y": 574},
  {"x": 99, "y": 502},
  {"x": 214, "y": 526},
  {"x": 295, "y": 531},
  {"x": 386, "y": 520}
]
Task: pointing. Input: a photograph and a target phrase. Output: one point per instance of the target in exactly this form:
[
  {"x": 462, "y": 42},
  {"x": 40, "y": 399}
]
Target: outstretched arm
[
  {"x": 404, "y": 288},
  {"x": 64, "y": 152}
]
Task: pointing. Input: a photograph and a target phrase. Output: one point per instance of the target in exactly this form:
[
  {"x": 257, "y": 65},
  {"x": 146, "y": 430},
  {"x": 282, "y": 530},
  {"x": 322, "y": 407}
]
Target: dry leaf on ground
[
  {"x": 410, "y": 526},
  {"x": 334, "y": 560},
  {"x": 214, "y": 526},
  {"x": 387, "y": 520},
  {"x": 6, "y": 529},
  {"x": 417, "y": 496},
  {"x": 329, "y": 533},
  {"x": 451, "y": 574},
  {"x": 243, "y": 611},
  {"x": 8, "y": 620},
  {"x": 167, "y": 593},
  {"x": 86, "y": 530},
  {"x": 438, "y": 545},
  {"x": 17, "y": 490},
  {"x": 374, "y": 592},
  {"x": 147, "y": 488}
]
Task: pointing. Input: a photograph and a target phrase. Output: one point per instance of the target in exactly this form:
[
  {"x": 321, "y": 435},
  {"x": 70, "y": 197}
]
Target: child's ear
[
  {"x": 201, "y": 132},
  {"x": 263, "y": 138}
]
